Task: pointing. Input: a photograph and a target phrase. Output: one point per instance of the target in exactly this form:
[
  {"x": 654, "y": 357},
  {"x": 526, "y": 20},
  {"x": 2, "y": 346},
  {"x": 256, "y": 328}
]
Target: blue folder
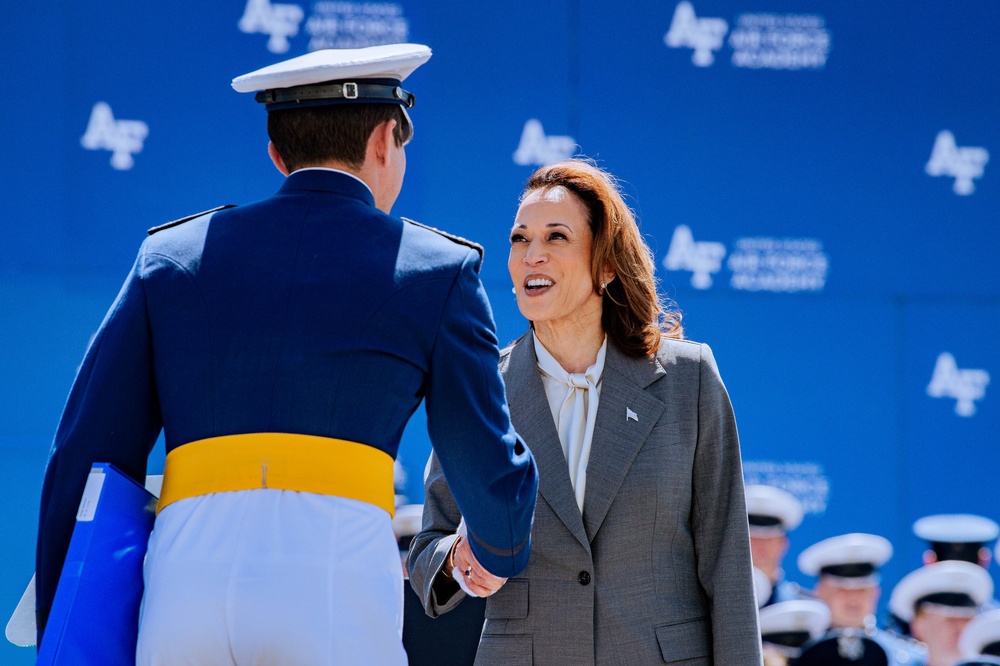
[{"x": 95, "y": 613}]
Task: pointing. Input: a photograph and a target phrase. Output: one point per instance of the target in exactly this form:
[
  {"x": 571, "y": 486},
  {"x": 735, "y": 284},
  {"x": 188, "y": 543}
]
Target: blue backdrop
[{"x": 814, "y": 178}]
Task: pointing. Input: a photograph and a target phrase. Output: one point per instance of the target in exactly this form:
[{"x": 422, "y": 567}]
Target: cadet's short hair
[{"x": 314, "y": 135}]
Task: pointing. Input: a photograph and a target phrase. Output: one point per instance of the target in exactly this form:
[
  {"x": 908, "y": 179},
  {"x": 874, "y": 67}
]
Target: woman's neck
[{"x": 573, "y": 345}]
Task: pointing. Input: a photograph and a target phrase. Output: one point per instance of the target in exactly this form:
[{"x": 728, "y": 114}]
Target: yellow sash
[{"x": 284, "y": 461}]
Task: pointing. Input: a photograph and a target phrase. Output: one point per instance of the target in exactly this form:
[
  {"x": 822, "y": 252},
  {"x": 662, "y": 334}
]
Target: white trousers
[{"x": 271, "y": 577}]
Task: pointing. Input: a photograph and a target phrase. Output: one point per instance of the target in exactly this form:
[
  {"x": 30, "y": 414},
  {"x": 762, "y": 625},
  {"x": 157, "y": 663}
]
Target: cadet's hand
[{"x": 469, "y": 574}]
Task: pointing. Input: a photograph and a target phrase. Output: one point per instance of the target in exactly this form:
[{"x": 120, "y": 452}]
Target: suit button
[{"x": 584, "y": 578}]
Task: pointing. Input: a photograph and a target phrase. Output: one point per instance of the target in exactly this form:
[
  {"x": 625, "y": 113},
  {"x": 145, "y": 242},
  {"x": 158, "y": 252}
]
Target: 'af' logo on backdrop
[
  {"x": 759, "y": 41},
  {"x": 122, "y": 137},
  {"x": 964, "y": 163},
  {"x": 704, "y": 35},
  {"x": 964, "y": 385},
  {"x": 280, "y": 21},
  {"x": 537, "y": 149},
  {"x": 702, "y": 258}
]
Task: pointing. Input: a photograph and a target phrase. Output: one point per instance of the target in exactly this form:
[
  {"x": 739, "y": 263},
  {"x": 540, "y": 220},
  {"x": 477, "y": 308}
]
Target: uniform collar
[{"x": 328, "y": 180}]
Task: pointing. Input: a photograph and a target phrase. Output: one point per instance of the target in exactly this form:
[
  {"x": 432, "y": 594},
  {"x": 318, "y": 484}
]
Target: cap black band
[
  {"x": 794, "y": 639},
  {"x": 993, "y": 649},
  {"x": 966, "y": 551},
  {"x": 850, "y": 570},
  {"x": 758, "y": 520},
  {"x": 957, "y": 599},
  {"x": 366, "y": 91}
]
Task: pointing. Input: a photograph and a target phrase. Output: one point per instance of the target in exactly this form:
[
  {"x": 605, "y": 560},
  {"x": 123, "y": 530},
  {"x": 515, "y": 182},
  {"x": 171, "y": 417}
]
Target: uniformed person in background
[
  {"x": 848, "y": 581},
  {"x": 939, "y": 601},
  {"x": 772, "y": 514},
  {"x": 845, "y": 647},
  {"x": 847, "y": 576},
  {"x": 964, "y": 537},
  {"x": 786, "y": 626},
  {"x": 281, "y": 347},
  {"x": 961, "y": 537}
]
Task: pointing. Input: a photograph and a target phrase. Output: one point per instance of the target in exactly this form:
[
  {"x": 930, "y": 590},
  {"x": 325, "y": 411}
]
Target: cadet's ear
[
  {"x": 279, "y": 163},
  {"x": 382, "y": 140}
]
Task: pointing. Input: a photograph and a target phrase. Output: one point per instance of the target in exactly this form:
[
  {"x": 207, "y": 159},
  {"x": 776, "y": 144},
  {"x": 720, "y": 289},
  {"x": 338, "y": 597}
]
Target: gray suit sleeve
[
  {"x": 430, "y": 548},
  {"x": 721, "y": 534}
]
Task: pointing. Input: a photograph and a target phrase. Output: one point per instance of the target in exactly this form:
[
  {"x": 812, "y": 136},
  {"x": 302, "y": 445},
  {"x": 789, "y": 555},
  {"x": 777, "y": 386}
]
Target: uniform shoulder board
[
  {"x": 452, "y": 237},
  {"x": 182, "y": 220}
]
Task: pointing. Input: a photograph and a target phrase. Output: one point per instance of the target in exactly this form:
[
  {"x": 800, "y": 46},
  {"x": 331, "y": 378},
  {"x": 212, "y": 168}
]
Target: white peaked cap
[
  {"x": 772, "y": 502},
  {"x": 956, "y": 528},
  {"x": 845, "y": 549},
  {"x": 390, "y": 61},
  {"x": 796, "y": 615},
  {"x": 948, "y": 577},
  {"x": 982, "y": 631}
]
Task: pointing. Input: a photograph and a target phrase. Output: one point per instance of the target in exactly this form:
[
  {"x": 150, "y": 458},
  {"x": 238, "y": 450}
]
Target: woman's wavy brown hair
[{"x": 633, "y": 316}]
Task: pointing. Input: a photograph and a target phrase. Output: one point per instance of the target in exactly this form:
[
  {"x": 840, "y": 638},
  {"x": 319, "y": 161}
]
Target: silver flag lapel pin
[{"x": 629, "y": 414}]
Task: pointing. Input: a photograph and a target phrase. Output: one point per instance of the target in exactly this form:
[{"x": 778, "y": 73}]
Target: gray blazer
[{"x": 657, "y": 569}]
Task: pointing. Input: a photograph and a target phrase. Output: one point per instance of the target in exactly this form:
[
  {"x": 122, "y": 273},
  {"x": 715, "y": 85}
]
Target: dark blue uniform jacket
[{"x": 309, "y": 312}]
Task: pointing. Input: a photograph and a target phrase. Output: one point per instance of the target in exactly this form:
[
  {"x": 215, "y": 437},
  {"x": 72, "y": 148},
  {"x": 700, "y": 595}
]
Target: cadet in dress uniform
[
  {"x": 786, "y": 626},
  {"x": 939, "y": 601},
  {"x": 962, "y": 536},
  {"x": 773, "y": 513},
  {"x": 848, "y": 581},
  {"x": 844, "y": 647},
  {"x": 282, "y": 346}
]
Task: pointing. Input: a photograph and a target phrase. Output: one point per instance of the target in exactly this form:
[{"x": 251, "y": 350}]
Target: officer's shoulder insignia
[
  {"x": 182, "y": 220},
  {"x": 452, "y": 237}
]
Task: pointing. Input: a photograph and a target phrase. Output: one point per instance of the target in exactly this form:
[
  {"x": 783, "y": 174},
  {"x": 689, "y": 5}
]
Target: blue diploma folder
[{"x": 95, "y": 613}]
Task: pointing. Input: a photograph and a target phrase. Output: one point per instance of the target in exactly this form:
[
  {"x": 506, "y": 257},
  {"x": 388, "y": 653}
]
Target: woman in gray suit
[{"x": 640, "y": 546}]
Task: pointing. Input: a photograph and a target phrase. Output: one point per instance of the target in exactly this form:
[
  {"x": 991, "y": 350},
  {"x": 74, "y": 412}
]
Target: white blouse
[{"x": 573, "y": 399}]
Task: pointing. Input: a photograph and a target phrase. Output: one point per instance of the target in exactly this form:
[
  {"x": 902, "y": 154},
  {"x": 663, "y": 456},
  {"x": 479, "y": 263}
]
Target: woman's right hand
[{"x": 470, "y": 575}]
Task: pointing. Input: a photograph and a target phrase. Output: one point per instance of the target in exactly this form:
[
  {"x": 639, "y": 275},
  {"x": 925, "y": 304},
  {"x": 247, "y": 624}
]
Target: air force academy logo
[
  {"x": 963, "y": 164},
  {"x": 123, "y": 138},
  {"x": 704, "y": 35},
  {"x": 964, "y": 385},
  {"x": 537, "y": 149},
  {"x": 702, "y": 258},
  {"x": 280, "y": 21}
]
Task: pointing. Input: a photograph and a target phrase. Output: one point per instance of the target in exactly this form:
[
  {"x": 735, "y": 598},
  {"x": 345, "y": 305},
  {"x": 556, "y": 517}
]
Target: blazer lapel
[
  {"x": 625, "y": 416},
  {"x": 532, "y": 419}
]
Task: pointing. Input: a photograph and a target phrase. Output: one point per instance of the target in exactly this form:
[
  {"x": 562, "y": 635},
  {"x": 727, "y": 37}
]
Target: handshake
[{"x": 463, "y": 567}]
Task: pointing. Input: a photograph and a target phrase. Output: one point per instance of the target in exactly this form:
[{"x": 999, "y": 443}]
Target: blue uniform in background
[
  {"x": 786, "y": 590},
  {"x": 310, "y": 312}
]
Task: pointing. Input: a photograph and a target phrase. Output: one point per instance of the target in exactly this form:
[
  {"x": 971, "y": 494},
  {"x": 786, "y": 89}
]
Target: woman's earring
[
  {"x": 604, "y": 287},
  {"x": 513, "y": 290}
]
